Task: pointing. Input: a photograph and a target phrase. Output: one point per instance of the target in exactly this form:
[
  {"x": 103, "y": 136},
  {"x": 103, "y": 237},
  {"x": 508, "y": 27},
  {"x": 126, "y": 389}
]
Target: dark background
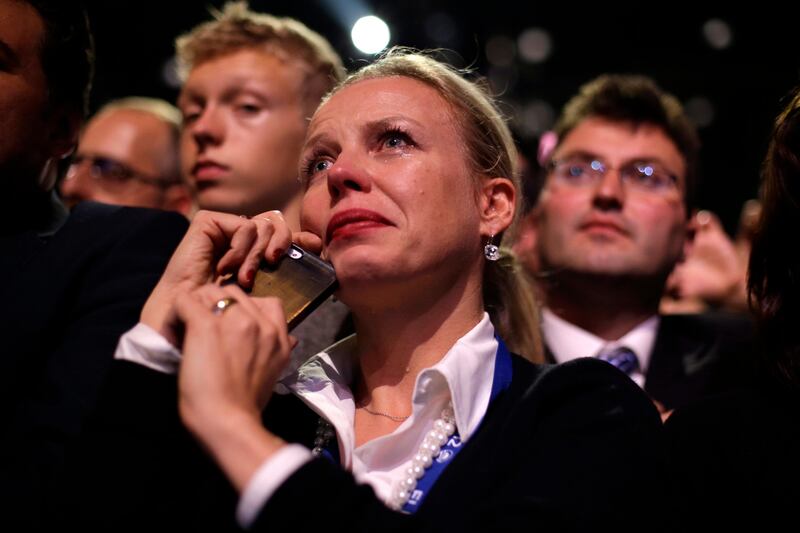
[{"x": 743, "y": 83}]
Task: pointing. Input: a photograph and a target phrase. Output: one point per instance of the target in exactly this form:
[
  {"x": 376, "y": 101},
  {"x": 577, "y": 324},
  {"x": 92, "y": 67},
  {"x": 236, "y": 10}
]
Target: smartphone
[{"x": 300, "y": 279}]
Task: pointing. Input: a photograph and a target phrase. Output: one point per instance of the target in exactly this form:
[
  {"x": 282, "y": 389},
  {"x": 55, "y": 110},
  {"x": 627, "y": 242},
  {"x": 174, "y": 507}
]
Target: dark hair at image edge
[
  {"x": 774, "y": 270},
  {"x": 67, "y": 52}
]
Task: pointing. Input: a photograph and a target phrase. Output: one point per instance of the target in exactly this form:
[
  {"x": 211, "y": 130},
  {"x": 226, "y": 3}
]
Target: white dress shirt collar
[
  {"x": 567, "y": 341},
  {"x": 464, "y": 375}
]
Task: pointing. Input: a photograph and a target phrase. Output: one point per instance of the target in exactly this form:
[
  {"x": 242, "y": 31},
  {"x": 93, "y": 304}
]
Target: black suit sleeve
[{"x": 590, "y": 457}]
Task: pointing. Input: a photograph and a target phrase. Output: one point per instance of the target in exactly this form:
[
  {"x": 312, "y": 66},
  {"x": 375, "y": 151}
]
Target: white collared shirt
[
  {"x": 464, "y": 375},
  {"x": 567, "y": 341}
]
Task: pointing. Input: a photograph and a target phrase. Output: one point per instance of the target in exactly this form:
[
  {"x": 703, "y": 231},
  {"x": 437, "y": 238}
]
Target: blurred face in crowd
[
  {"x": 30, "y": 132},
  {"x": 613, "y": 203},
  {"x": 126, "y": 157},
  {"x": 244, "y": 125}
]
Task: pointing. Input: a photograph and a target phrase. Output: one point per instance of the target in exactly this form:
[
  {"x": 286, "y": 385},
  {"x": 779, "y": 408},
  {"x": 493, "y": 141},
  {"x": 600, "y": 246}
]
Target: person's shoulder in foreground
[{"x": 549, "y": 441}]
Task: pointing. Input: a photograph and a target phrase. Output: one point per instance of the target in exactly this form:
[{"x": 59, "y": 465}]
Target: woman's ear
[{"x": 497, "y": 205}]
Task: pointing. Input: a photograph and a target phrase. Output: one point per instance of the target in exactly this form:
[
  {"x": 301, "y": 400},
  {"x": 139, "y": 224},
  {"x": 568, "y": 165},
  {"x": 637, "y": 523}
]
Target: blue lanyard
[{"x": 500, "y": 382}]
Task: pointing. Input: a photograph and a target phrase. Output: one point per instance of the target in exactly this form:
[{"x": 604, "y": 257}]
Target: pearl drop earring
[{"x": 491, "y": 251}]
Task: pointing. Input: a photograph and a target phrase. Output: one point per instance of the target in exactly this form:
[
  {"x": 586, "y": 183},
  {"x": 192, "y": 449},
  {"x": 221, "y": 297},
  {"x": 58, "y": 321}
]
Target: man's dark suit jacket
[
  {"x": 66, "y": 297},
  {"x": 698, "y": 356},
  {"x": 574, "y": 447},
  {"x": 734, "y": 460}
]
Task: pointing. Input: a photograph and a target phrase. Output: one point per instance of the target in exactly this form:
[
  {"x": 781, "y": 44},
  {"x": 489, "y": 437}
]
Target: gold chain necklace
[{"x": 387, "y": 415}]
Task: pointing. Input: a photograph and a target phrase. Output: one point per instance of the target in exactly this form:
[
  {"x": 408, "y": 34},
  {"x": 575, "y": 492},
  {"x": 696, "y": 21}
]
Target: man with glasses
[
  {"x": 128, "y": 155},
  {"x": 610, "y": 223}
]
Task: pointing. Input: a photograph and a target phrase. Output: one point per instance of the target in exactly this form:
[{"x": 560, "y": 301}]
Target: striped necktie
[{"x": 622, "y": 358}]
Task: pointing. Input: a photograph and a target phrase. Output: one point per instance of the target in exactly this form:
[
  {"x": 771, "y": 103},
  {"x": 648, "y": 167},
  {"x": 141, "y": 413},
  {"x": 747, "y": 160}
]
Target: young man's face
[
  {"x": 244, "y": 125},
  {"x": 610, "y": 226}
]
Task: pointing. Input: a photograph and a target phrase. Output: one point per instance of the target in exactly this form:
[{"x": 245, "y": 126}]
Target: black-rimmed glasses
[{"x": 113, "y": 172}]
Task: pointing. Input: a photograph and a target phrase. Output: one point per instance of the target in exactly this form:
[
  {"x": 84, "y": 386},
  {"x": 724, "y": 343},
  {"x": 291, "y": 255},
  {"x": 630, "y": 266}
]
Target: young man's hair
[
  {"x": 236, "y": 28},
  {"x": 635, "y": 100}
]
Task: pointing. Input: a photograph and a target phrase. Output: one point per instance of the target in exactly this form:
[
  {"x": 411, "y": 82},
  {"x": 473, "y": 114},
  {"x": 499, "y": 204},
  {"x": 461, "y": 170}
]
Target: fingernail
[
  {"x": 278, "y": 254},
  {"x": 249, "y": 275}
]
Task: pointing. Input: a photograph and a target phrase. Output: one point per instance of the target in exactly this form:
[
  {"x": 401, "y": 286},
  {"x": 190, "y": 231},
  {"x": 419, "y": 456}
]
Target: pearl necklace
[{"x": 443, "y": 428}]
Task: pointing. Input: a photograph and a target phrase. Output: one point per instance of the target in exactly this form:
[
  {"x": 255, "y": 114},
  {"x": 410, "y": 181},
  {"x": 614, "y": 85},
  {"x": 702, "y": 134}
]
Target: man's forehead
[
  {"x": 622, "y": 141},
  {"x": 246, "y": 64},
  {"x": 600, "y": 133},
  {"x": 133, "y": 122}
]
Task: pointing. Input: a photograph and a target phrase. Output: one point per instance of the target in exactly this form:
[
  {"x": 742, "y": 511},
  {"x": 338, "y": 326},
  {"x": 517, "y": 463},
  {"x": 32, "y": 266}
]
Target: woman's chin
[
  {"x": 362, "y": 262},
  {"x": 370, "y": 283}
]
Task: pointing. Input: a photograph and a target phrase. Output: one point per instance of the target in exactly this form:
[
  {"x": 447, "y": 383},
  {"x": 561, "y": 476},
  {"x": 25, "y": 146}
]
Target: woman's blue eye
[
  {"x": 321, "y": 165},
  {"x": 394, "y": 141}
]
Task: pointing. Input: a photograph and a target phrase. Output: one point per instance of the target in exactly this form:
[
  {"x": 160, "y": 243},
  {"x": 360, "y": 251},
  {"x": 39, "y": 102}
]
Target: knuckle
[
  {"x": 234, "y": 291},
  {"x": 246, "y": 327},
  {"x": 275, "y": 306},
  {"x": 203, "y": 214},
  {"x": 251, "y": 226},
  {"x": 269, "y": 335}
]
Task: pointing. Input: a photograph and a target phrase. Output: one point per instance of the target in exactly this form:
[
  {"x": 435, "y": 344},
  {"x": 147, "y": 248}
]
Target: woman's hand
[
  {"x": 232, "y": 358},
  {"x": 215, "y": 244}
]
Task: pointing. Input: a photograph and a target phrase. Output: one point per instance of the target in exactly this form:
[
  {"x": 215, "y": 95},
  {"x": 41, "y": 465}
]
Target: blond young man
[{"x": 251, "y": 81}]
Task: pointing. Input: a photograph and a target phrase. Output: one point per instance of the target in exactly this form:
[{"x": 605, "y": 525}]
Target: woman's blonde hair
[{"x": 489, "y": 147}]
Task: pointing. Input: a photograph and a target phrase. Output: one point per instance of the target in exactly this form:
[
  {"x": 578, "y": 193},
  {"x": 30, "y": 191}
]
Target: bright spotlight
[{"x": 370, "y": 34}]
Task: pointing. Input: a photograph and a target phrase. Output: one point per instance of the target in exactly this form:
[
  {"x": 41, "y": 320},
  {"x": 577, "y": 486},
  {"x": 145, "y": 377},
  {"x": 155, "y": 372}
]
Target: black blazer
[
  {"x": 66, "y": 298},
  {"x": 574, "y": 447},
  {"x": 698, "y": 356},
  {"x": 734, "y": 460}
]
